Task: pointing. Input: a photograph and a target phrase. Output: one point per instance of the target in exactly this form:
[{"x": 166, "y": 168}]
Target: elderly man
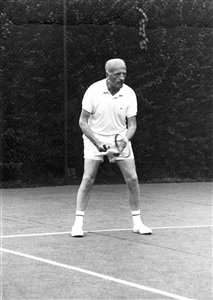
[{"x": 109, "y": 107}]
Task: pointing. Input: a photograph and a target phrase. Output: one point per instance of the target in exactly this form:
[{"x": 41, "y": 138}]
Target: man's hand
[
  {"x": 102, "y": 147},
  {"x": 121, "y": 146}
]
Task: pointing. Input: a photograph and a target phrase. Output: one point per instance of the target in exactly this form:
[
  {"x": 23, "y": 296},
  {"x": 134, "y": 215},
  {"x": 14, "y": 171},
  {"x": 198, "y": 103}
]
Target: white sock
[
  {"x": 79, "y": 218},
  {"x": 136, "y": 216}
]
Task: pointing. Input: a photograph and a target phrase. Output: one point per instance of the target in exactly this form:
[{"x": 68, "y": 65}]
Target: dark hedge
[{"x": 172, "y": 79}]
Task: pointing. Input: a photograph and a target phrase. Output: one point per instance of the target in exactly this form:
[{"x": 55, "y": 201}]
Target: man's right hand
[{"x": 102, "y": 148}]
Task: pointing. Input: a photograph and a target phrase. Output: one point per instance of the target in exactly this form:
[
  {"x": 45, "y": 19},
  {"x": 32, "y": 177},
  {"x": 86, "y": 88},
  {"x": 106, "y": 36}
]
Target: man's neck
[{"x": 111, "y": 89}]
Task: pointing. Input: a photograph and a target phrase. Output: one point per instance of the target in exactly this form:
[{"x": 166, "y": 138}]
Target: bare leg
[
  {"x": 128, "y": 170},
  {"x": 90, "y": 171}
]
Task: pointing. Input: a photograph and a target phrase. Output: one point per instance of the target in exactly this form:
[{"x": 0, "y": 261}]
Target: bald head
[
  {"x": 116, "y": 74},
  {"x": 113, "y": 64}
]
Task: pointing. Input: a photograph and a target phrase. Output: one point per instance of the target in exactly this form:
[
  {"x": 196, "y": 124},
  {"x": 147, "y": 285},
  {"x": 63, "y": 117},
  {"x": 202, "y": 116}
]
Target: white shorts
[{"x": 91, "y": 151}]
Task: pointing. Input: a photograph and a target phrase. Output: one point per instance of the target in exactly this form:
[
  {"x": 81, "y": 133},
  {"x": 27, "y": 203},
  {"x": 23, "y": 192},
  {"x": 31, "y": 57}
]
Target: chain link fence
[{"x": 48, "y": 67}]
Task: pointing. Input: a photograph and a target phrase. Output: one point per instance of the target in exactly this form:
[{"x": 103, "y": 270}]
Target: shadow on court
[{"x": 40, "y": 260}]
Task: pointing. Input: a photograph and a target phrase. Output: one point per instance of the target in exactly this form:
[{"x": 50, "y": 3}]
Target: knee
[
  {"x": 132, "y": 180},
  {"x": 88, "y": 180}
]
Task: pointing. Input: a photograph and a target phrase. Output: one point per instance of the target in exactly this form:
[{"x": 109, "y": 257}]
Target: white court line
[
  {"x": 154, "y": 228},
  {"x": 99, "y": 275},
  {"x": 101, "y": 230},
  {"x": 35, "y": 234}
]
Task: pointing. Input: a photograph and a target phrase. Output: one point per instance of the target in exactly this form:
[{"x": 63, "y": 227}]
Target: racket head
[{"x": 126, "y": 151}]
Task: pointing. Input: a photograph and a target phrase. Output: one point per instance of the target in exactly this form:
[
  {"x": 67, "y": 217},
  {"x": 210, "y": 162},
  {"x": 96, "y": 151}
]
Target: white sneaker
[
  {"x": 77, "y": 231},
  {"x": 142, "y": 229}
]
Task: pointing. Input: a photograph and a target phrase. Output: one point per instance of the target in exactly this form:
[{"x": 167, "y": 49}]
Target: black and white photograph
[{"x": 106, "y": 150}]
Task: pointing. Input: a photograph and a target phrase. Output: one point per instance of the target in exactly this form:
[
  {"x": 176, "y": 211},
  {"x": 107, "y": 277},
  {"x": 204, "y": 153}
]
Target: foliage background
[{"x": 53, "y": 50}]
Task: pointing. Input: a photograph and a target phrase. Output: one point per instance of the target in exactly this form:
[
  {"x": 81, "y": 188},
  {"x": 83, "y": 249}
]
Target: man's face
[{"x": 116, "y": 77}]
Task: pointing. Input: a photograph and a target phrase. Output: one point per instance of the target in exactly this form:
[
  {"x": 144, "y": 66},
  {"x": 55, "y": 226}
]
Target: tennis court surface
[{"x": 40, "y": 260}]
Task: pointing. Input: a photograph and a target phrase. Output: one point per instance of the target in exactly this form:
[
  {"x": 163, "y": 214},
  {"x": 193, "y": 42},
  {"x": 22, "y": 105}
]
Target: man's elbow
[
  {"x": 81, "y": 123},
  {"x": 133, "y": 127}
]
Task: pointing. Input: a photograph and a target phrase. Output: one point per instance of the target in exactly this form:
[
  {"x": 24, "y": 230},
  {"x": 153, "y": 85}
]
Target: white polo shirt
[{"x": 108, "y": 112}]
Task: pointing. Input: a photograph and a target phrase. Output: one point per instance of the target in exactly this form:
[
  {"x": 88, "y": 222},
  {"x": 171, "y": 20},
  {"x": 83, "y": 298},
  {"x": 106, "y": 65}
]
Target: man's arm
[
  {"x": 83, "y": 123},
  {"x": 132, "y": 126}
]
